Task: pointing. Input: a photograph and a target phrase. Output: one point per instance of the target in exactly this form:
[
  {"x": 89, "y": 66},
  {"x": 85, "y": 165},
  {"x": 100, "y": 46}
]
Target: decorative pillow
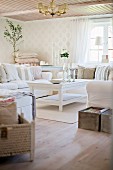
[
  {"x": 11, "y": 72},
  {"x": 36, "y": 71},
  {"x": 25, "y": 73},
  {"x": 110, "y": 74},
  {"x": 21, "y": 72},
  {"x": 3, "y": 76},
  {"x": 102, "y": 72},
  {"x": 28, "y": 74},
  {"x": 8, "y": 114},
  {"x": 85, "y": 73}
]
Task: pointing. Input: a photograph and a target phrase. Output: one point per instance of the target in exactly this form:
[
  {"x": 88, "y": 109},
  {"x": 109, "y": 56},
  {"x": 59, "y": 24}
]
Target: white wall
[
  {"x": 47, "y": 38},
  {"x": 5, "y": 47}
]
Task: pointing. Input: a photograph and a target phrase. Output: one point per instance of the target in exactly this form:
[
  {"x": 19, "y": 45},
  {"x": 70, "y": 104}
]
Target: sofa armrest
[
  {"x": 47, "y": 75},
  {"x": 100, "y": 94}
]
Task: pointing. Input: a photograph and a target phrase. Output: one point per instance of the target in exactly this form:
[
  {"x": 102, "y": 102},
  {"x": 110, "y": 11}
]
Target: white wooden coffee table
[{"x": 62, "y": 98}]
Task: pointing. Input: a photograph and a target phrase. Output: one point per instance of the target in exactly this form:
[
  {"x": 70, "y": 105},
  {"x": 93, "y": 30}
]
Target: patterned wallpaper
[{"x": 47, "y": 38}]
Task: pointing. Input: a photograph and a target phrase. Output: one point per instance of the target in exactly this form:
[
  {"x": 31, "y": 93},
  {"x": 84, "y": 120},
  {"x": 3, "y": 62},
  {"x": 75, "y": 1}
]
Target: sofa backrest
[
  {"x": 12, "y": 72},
  {"x": 99, "y": 72}
]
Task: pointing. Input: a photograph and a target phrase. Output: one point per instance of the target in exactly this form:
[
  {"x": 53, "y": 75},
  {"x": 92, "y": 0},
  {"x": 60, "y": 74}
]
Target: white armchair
[{"x": 100, "y": 94}]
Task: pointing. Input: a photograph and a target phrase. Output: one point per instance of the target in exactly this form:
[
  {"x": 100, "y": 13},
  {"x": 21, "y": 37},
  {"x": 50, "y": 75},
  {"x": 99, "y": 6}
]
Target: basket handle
[{"x": 4, "y": 133}]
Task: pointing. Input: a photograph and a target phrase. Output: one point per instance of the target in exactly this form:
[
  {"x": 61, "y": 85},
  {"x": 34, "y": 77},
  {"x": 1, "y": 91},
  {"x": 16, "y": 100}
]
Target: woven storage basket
[{"x": 17, "y": 138}]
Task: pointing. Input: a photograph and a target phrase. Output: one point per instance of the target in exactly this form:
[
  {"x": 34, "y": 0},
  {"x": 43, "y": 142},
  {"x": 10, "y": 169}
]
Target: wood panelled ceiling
[{"x": 26, "y": 10}]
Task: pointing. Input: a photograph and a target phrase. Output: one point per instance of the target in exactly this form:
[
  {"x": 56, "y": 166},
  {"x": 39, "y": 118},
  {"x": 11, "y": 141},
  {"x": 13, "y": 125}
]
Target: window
[
  {"x": 104, "y": 31},
  {"x": 110, "y": 42}
]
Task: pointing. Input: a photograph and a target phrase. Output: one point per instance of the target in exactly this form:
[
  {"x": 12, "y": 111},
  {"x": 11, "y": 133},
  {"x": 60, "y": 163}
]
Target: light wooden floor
[{"x": 61, "y": 146}]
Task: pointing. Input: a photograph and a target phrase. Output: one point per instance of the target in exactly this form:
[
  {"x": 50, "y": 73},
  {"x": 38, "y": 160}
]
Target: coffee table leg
[
  {"x": 61, "y": 100},
  {"x": 32, "y": 90}
]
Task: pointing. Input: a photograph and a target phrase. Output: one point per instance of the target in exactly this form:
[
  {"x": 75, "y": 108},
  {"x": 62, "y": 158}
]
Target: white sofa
[
  {"x": 99, "y": 88},
  {"x": 100, "y": 94},
  {"x": 90, "y": 73},
  {"x": 14, "y": 79}
]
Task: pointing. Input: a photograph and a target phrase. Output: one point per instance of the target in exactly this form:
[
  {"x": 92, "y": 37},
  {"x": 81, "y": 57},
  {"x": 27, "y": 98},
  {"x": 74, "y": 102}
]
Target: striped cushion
[
  {"x": 25, "y": 73},
  {"x": 111, "y": 74},
  {"x": 3, "y": 76},
  {"x": 102, "y": 72}
]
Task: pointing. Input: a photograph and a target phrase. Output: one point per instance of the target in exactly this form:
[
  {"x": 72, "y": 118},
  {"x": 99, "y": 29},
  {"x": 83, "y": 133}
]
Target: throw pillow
[
  {"x": 8, "y": 114},
  {"x": 21, "y": 72},
  {"x": 3, "y": 76},
  {"x": 25, "y": 73},
  {"x": 11, "y": 72},
  {"x": 110, "y": 74},
  {"x": 37, "y": 72},
  {"x": 102, "y": 72},
  {"x": 28, "y": 74},
  {"x": 85, "y": 73}
]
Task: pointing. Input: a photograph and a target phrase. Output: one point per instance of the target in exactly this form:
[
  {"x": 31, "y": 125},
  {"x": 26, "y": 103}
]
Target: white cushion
[
  {"x": 36, "y": 71},
  {"x": 11, "y": 71},
  {"x": 21, "y": 84},
  {"x": 25, "y": 73},
  {"x": 3, "y": 76},
  {"x": 102, "y": 72},
  {"x": 47, "y": 75},
  {"x": 111, "y": 74},
  {"x": 28, "y": 74},
  {"x": 9, "y": 85},
  {"x": 100, "y": 94},
  {"x": 21, "y": 72}
]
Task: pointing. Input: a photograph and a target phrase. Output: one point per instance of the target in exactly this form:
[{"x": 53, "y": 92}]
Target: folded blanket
[{"x": 6, "y": 101}]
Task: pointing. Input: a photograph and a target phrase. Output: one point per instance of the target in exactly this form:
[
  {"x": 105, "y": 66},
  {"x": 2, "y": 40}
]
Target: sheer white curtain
[{"x": 80, "y": 39}]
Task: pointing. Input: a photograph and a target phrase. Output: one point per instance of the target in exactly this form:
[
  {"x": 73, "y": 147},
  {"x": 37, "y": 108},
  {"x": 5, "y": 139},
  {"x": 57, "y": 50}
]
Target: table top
[
  {"x": 51, "y": 67},
  {"x": 51, "y": 86}
]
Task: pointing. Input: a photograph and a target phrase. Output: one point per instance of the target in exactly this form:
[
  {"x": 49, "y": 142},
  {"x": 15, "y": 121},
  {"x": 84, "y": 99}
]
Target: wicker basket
[{"x": 17, "y": 138}]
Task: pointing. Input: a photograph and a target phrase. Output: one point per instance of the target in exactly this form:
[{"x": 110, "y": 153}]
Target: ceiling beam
[{"x": 90, "y": 3}]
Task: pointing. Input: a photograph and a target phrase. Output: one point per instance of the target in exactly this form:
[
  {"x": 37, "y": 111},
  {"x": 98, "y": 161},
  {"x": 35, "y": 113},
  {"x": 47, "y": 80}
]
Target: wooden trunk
[
  {"x": 106, "y": 121},
  {"x": 90, "y": 118}
]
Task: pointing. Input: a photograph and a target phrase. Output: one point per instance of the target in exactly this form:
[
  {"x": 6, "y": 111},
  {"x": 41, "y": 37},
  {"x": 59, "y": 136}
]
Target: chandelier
[{"x": 52, "y": 9}]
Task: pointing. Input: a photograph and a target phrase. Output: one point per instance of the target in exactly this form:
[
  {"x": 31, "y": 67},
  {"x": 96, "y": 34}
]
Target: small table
[{"x": 62, "y": 98}]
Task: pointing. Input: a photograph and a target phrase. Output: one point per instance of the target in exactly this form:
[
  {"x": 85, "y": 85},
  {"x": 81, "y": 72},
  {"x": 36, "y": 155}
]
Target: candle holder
[
  {"x": 69, "y": 75},
  {"x": 64, "y": 76},
  {"x": 73, "y": 73}
]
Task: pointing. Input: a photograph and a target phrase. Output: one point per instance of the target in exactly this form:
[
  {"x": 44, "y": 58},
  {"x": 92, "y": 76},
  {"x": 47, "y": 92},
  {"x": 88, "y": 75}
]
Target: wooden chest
[
  {"x": 106, "y": 121},
  {"x": 90, "y": 118}
]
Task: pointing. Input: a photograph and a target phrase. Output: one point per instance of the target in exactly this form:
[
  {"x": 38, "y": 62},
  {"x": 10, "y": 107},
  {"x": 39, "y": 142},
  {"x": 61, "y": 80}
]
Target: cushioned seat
[
  {"x": 15, "y": 77},
  {"x": 21, "y": 84},
  {"x": 9, "y": 85}
]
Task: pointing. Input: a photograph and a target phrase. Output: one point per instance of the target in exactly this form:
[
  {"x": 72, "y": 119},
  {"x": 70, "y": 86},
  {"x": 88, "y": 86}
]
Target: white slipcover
[{"x": 100, "y": 94}]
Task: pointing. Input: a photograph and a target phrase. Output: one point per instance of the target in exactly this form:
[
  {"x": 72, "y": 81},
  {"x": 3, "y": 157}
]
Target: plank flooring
[{"x": 62, "y": 146}]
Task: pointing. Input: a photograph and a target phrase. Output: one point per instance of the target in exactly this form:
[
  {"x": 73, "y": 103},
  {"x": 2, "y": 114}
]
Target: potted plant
[
  {"x": 13, "y": 34},
  {"x": 64, "y": 53}
]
